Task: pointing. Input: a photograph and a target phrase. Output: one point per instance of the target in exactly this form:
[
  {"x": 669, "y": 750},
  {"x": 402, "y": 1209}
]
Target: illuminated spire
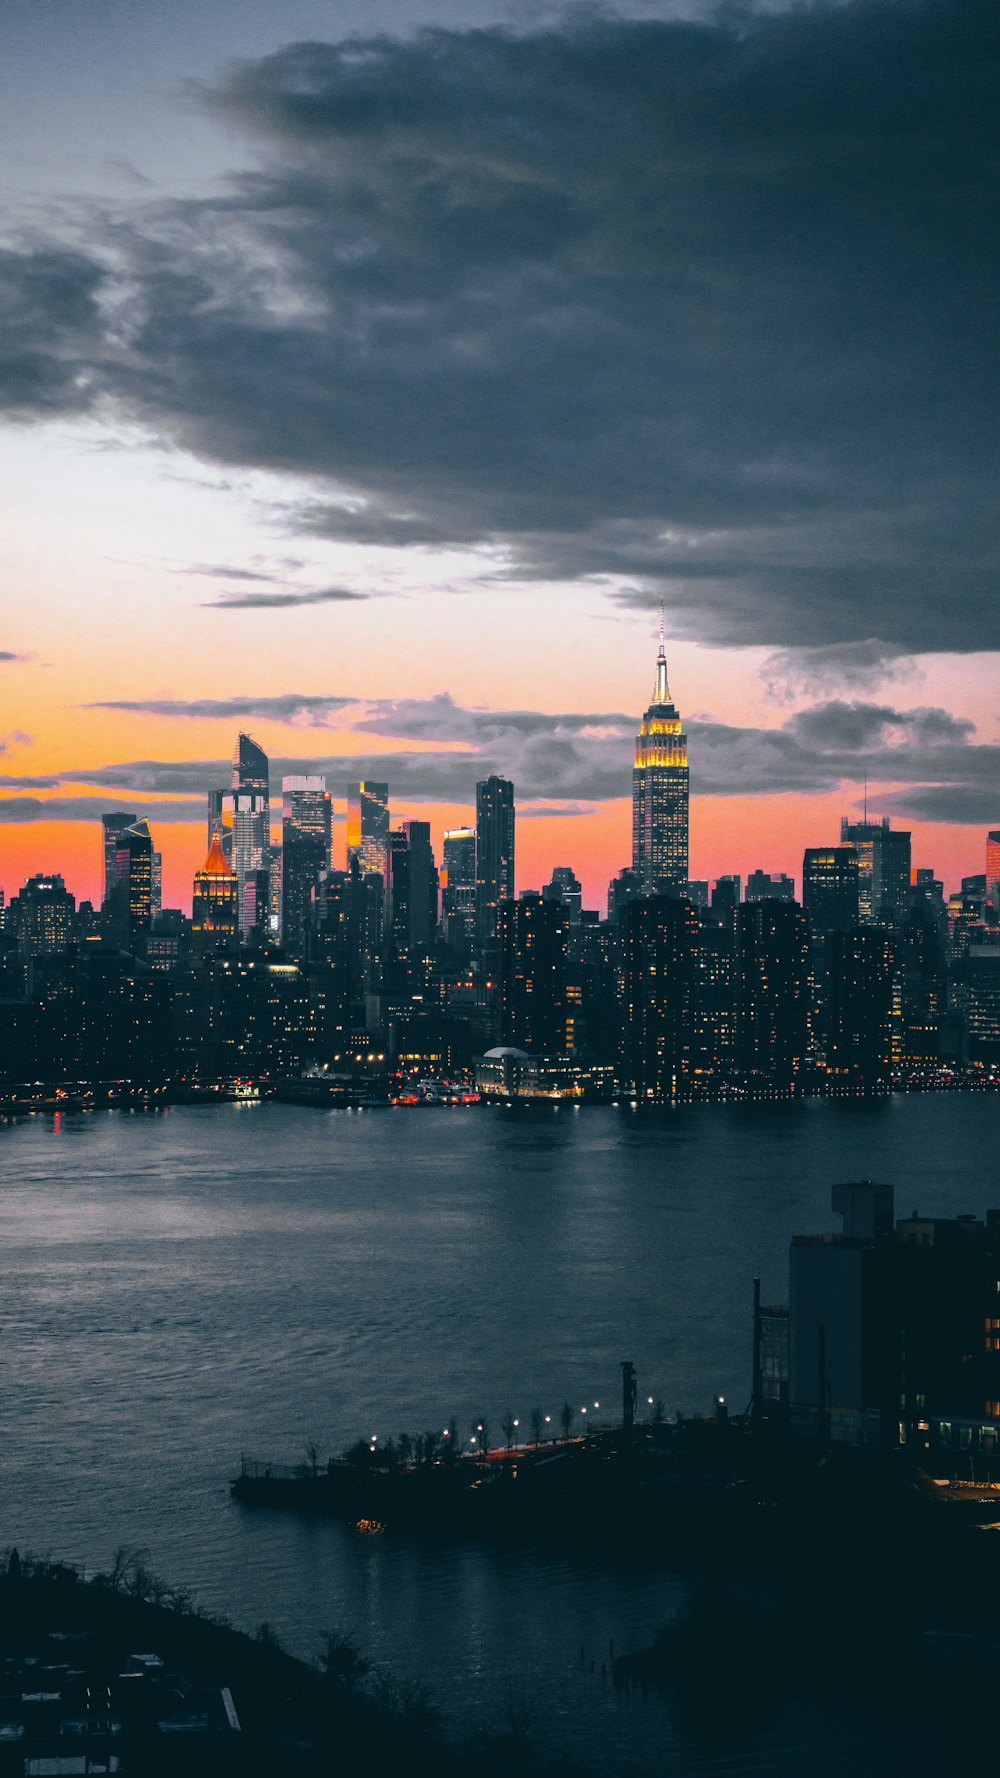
[
  {"x": 661, "y": 693},
  {"x": 215, "y": 864}
]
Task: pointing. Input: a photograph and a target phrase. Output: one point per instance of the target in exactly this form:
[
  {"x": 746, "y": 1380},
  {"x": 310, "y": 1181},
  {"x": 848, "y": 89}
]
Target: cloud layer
[
  {"x": 708, "y": 305},
  {"x": 931, "y": 767}
]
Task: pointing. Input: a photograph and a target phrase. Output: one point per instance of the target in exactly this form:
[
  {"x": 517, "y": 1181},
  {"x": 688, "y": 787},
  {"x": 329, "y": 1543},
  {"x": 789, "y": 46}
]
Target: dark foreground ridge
[{"x": 95, "y": 1679}]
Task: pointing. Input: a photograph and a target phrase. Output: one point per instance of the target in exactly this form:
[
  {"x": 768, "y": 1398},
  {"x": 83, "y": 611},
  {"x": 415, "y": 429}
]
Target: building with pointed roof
[
  {"x": 660, "y": 793},
  {"x": 215, "y": 902}
]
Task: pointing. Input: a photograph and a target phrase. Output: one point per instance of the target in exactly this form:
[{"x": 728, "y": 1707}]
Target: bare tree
[
  {"x": 344, "y": 1664},
  {"x": 507, "y": 1427},
  {"x": 566, "y": 1418}
]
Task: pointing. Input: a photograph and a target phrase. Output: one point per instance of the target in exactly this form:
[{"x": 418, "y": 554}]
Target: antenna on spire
[
  {"x": 866, "y": 799},
  {"x": 662, "y": 643}
]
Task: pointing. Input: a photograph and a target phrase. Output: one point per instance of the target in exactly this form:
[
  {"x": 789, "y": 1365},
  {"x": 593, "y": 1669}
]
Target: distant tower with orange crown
[{"x": 215, "y": 902}]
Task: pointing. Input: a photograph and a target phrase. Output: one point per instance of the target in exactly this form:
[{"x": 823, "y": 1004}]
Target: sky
[{"x": 370, "y": 372}]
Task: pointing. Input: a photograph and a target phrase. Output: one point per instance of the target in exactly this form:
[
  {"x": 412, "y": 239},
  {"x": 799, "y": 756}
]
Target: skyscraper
[
  {"x": 494, "y": 853},
  {"x": 883, "y": 869},
  {"x": 112, "y": 825},
  {"x": 424, "y": 883},
  {"x": 860, "y": 1005},
  {"x": 368, "y": 825},
  {"x": 993, "y": 872},
  {"x": 660, "y": 792},
  {"x": 531, "y": 937},
  {"x": 659, "y": 943},
  {"x": 214, "y": 904},
  {"x": 251, "y": 810},
  {"x": 306, "y": 831},
  {"x": 772, "y": 996},
  {"x": 131, "y": 900},
  {"x": 830, "y": 888},
  {"x": 458, "y": 889}
]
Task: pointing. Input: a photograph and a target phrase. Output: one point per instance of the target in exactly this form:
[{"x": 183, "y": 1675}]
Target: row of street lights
[{"x": 446, "y": 1431}]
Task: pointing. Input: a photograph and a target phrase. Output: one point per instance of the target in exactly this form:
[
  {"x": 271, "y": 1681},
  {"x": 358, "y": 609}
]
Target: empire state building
[{"x": 660, "y": 794}]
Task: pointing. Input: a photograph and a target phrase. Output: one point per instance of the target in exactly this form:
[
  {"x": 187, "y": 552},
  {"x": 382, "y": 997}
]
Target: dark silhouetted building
[
  {"x": 424, "y": 884},
  {"x": 993, "y": 873},
  {"x": 859, "y": 990},
  {"x": 564, "y": 886},
  {"x": 772, "y": 997},
  {"x": 532, "y": 936},
  {"x": 306, "y": 832},
  {"x": 622, "y": 888},
  {"x": 894, "y": 1330},
  {"x": 660, "y": 792},
  {"x": 659, "y": 948},
  {"x": 830, "y": 888},
  {"x": 494, "y": 854},
  {"x": 762, "y": 887},
  {"x": 41, "y": 918}
]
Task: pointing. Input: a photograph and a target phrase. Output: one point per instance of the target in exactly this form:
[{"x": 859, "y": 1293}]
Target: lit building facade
[
  {"x": 131, "y": 900},
  {"x": 368, "y": 825},
  {"x": 251, "y": 797},
  {"x": 884, "y": 859},
  {"x": 660, "y": 795},
  {"x": 306, "y": 833},
  {"x": 215, "y": 901},
  {"x": 112, "y": 825},
  {"x": 41, "y": 918},
  {"x": 458, "y": 886}
]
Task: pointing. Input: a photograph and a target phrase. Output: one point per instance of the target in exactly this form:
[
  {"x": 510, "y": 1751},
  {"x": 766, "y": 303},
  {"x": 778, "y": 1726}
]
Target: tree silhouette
[
  {"x": 565, "y": 1418},
  {"x": 536, "y": 1426}
]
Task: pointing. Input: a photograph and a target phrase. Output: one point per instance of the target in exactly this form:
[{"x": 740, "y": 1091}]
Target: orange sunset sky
[{"x": 367, "y": 386}]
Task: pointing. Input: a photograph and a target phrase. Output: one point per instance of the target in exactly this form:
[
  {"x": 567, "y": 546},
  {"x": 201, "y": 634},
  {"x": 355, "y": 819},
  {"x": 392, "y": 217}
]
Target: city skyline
[
  {"x": 239, "y": 815},
  {"x": 743, "y": 367}
]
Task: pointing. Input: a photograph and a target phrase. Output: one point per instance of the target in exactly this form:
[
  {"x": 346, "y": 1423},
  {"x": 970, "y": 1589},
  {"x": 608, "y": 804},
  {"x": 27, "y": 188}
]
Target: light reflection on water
[{"x": 185, "y": 1285}]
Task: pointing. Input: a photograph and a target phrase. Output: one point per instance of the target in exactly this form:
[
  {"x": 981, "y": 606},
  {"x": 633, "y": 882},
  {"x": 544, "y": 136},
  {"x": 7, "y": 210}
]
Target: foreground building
[{"x": 893, "y": 1329}]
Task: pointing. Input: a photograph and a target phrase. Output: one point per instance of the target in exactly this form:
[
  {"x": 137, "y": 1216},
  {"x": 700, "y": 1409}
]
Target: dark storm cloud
[
  {"x": 14, "y": 809},
  {"x": 925, "y": 755},
  {"x": 53, "y": 333},
  {"x": 859, "y": 666},
  {"x": 290, "y": 707},
  {"x": 440, "y": 719},
  {"x": 709, "y": 305},
  {"x": 331, "y": 595}
]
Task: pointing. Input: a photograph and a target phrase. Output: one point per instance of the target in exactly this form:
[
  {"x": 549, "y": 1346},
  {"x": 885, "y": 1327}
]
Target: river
[{"x": 186, "y": 1285}]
